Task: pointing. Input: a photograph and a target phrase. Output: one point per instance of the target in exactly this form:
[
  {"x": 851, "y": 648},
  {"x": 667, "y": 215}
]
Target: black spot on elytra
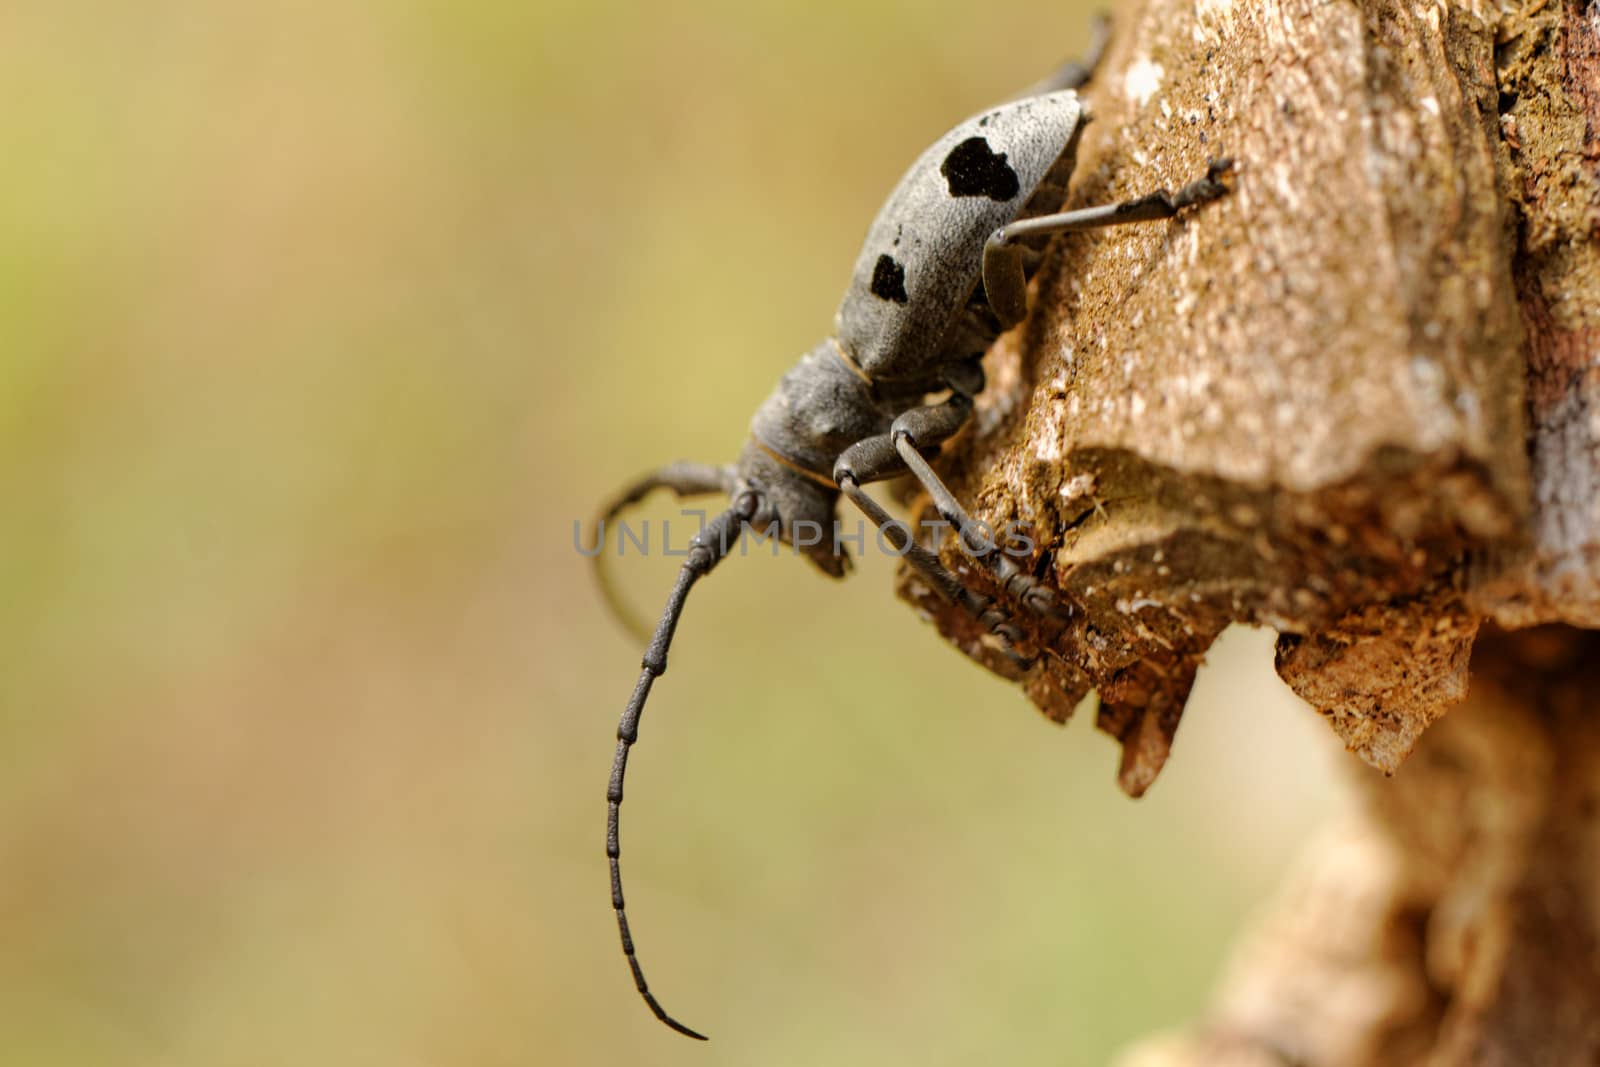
[
  {"x": 889, "y": 281},
  {"x": 974, "y": 169}
]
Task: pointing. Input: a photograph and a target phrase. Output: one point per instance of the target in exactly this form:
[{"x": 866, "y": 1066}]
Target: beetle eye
[{"x": 748, "y": 504}]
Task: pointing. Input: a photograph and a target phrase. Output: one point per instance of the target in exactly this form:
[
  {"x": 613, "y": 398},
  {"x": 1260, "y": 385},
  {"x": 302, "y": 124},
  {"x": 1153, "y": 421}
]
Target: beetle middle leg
[{"x": 1005, "y": 280}]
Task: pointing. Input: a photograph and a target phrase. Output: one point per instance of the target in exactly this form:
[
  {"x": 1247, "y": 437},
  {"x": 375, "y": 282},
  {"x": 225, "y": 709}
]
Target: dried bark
[
  {"x": 1454, "y": 917},
  {"x": 1357, "y": 400}
]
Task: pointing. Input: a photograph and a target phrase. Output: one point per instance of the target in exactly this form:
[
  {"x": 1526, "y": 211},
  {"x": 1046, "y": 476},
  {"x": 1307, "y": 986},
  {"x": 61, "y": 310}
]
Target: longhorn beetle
[{"x": 944, "y": 271}]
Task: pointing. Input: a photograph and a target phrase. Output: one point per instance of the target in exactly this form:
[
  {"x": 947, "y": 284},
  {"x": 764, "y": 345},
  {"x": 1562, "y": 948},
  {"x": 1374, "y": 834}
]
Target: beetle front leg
[
  {"x": 876, "y": 459},
  {"x": 979, "y": 547}
]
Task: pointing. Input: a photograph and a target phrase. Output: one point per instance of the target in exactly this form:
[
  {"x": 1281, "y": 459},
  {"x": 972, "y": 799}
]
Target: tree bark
[{"x": 1356, "y": 400}]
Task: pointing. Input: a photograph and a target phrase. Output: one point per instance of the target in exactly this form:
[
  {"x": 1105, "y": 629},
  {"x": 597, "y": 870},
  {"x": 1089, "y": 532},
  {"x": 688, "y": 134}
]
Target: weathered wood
[
  {"x": 1549, "y": 80},
  {"x": 1357, "y": 400},
  {"x": 1308, "y": 403},
  {"x": 1454, "y": 917}
]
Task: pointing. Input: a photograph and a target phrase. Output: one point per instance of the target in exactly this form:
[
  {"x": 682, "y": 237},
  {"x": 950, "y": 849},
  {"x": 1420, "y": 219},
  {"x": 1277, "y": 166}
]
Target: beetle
[{"x": 944, "y": 270}]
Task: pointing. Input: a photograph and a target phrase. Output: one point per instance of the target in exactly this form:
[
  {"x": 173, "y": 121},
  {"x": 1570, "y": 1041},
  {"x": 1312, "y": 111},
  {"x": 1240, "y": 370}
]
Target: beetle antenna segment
[
  {"x": 683, "y": 478},
  {"x": 706, "y": 550}
]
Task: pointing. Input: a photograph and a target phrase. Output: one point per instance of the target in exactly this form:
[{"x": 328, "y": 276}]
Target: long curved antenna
[
  {"x": 706, "y": 550},
  {"x": 1075, "y": 74},
  {"x": 686, "y": 480}
]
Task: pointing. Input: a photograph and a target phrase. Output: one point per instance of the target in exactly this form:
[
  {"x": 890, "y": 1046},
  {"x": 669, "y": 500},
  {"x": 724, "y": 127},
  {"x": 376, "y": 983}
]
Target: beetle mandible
[{"x": 943, "y": 272}]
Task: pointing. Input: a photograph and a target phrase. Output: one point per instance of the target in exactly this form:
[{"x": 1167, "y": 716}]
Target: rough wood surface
[
  {"x": 1454, "y": 917},
  {"x": 1549, "y": 81},
  {"x": 1358, "y": 401}
]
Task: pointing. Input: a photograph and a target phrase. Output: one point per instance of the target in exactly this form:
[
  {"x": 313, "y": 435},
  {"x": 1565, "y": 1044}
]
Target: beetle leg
[
  {"x": 876, "y": 459},
  {"x": 1005, "y": 281},
  {"x": 909, "y": 433},
  {"x": 1075, "y": 74}
]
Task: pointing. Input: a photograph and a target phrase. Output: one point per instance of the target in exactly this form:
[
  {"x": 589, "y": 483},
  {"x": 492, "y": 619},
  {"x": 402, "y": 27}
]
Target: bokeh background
[{"x": 319, "y": 327}]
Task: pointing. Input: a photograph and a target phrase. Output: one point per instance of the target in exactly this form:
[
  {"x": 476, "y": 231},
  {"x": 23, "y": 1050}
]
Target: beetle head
[{"x": 796, "y": 509}]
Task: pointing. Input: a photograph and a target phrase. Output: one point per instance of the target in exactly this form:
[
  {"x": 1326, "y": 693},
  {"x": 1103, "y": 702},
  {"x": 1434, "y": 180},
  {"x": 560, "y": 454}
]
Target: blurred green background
[{"x": 320, "y": 325}]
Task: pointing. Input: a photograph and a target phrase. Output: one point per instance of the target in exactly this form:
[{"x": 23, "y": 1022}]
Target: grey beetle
[{"x": 944, "y": 271}]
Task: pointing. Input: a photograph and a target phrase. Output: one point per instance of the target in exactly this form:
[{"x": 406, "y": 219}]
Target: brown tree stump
[{"x": 1358, "y": 401}]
